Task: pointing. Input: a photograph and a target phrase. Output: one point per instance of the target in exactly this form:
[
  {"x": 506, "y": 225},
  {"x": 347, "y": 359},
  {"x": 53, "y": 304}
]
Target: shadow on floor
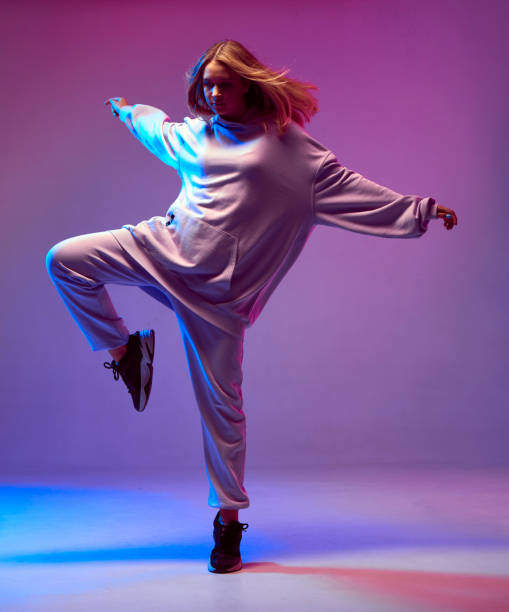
[{"x": 451, "y": 592}]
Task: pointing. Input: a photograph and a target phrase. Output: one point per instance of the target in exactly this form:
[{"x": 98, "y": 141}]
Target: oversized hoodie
[{"x": 249, "y": 201}]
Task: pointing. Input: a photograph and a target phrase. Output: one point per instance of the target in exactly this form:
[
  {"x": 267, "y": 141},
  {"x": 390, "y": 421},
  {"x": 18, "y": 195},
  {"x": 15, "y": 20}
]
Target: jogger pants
[{"x": 80, "y": 268}]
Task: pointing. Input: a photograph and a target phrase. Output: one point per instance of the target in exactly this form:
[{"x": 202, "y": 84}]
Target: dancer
[{"x": 254, "y": 186}]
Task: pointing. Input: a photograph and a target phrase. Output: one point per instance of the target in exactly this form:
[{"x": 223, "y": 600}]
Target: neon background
[{"x": 371, "y": 351}]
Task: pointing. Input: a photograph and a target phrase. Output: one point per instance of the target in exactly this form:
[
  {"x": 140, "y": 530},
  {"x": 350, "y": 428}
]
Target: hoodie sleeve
[
  {"x": 346, "y": 199},
  {"x": 154, "y": 129}
]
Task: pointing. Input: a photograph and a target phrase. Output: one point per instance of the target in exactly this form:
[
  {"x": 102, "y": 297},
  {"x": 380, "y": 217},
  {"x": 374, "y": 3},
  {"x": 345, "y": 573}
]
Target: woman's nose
[{"x": 215, "y": 90}]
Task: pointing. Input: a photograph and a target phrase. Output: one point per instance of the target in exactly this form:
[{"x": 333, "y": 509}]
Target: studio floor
[{"x": 351, "y": 539}]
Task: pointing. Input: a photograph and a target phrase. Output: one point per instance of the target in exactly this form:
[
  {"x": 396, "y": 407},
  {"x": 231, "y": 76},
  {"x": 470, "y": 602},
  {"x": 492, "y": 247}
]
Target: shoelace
[
  {"x": 116, "y": 373},
  {"x": 224, "y": 528},
  {"x": 113, "y": 366}
]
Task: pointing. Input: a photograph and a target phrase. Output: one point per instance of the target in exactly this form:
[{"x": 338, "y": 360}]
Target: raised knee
[{"x": 55, "y": 259}]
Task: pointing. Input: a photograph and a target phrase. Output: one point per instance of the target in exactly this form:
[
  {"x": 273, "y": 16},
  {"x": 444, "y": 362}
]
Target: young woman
[{"x": 254, "y": 186}]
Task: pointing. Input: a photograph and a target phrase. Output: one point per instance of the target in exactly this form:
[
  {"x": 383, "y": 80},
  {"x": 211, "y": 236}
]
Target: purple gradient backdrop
[{"x": 371, "y": 350}]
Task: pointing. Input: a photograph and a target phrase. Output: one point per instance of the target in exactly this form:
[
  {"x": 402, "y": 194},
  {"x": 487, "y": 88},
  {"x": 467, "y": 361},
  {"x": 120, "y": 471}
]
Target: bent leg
[
  {"x": 79, "y": 267},
  {"x": 215, "y": 364}
]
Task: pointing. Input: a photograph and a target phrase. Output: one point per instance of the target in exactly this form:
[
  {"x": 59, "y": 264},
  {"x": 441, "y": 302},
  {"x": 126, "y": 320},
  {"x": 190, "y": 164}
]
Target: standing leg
[{"x": 215, "y": 364}]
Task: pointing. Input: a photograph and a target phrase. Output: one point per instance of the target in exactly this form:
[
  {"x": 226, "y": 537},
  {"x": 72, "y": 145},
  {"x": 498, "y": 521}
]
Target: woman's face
[{"x": 224, "y": 91}]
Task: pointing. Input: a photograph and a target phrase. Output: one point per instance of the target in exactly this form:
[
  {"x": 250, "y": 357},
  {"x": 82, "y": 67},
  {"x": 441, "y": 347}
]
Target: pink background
[{"x": 371, "y": 350}]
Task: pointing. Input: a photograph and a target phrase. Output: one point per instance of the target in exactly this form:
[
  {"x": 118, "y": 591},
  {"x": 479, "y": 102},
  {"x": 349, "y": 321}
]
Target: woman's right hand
[{"x": 116, "y": 104}]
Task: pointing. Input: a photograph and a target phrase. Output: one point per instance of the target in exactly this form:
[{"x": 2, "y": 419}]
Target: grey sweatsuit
[{"x": 249, "y": 201}]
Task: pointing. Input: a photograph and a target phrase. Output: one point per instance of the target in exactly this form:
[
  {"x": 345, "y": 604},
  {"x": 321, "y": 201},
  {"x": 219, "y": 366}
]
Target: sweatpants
[{"x": 80, "y": 267}]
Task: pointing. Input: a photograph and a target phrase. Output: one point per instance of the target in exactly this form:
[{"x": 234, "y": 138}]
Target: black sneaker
[
  {"x": 135, "y": 367},
  {"x": 225, "y": 556}
]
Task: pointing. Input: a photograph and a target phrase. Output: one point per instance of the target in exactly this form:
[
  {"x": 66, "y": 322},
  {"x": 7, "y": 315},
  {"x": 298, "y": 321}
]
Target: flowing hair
[{"x": 277, "y": 98}]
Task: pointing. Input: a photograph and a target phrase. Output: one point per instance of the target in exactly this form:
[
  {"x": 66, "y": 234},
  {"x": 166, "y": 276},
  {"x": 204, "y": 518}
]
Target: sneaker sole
[
  {"x": 235, "y": 568},
  {"x": 147, "y": 345}
]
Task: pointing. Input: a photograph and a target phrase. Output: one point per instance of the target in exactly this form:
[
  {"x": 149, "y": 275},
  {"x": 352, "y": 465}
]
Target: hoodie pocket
[
  {"x": 201, "y": 256},
  {"x": 204, "y": 255}
]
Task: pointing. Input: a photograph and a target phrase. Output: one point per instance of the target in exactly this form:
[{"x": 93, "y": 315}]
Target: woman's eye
[{"x": 220, "y": 85}]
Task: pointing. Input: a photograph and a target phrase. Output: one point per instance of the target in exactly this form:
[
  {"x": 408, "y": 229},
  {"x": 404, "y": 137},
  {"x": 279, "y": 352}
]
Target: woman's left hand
[{"x": 448, "y": 215}]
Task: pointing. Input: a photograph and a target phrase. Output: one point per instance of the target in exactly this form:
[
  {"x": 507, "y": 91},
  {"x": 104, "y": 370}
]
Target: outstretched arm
[
  {"x": 347, "y": 199},
  {"x": 151, "y": 126}
]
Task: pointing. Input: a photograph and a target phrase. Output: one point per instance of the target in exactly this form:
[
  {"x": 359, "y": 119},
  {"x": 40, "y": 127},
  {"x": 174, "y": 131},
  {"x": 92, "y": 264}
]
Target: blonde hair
[{"x": 278, "y": 98}]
